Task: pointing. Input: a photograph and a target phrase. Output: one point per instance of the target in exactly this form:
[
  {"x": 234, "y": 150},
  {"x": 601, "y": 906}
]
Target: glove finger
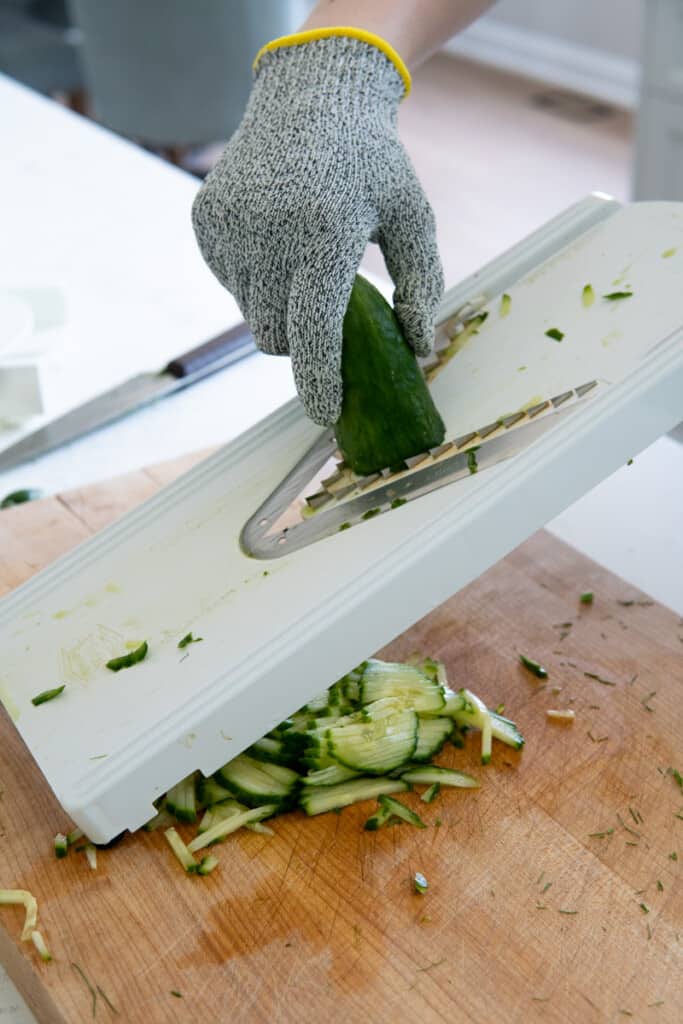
[
  {"x": 267, "y": 314},
  {"x": 318, "y": 298},
  {"x": 407, "y": 238}
]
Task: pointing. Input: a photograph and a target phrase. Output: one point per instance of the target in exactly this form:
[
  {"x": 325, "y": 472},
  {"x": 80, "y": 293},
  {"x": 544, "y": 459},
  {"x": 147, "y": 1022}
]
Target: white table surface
[{"x": 109, "y": 225}]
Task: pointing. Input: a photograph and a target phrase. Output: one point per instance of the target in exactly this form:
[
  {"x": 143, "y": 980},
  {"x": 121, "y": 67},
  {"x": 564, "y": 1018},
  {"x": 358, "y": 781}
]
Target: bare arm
[{"x": 415, "y": 28}]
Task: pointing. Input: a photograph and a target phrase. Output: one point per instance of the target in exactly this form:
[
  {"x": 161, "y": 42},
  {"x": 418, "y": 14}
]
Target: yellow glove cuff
[{"x": 297, "y": 38}]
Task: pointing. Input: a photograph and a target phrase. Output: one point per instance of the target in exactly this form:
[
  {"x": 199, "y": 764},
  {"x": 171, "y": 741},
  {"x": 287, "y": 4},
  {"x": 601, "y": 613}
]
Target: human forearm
[{"x": 415, "y": 28}]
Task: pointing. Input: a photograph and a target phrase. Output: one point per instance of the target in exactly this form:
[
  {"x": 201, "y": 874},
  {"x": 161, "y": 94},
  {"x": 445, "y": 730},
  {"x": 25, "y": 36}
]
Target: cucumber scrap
[
  {"x": 46, "y": 695},
  {"x": 130, "y": 659}
]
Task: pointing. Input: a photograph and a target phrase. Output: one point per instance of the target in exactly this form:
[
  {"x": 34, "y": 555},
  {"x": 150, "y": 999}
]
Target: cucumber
[
  {"x": 375, "y": 740},
  {"x": 506, "y": 731},
  {"x": 389, "y": 679},
  {"x": 332, "y": 775},
  {"x": 475, "y": 712},
  {"x": 210, "y": 792},
  {"x": 320, "y": 799},
  {"x": 399, "y": 810},
  {"x": 387, "y": 414},
  {"x": 432, "y": 733},
  {"x": 272, "y": 751},
  {"x": 181, "y": 800},
  {"x": 257, "y": 783},
  {"x": 444, "y": 776}
]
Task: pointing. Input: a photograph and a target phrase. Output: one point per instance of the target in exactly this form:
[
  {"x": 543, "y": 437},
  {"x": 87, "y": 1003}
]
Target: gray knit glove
[{"x": 316, "y": 170}]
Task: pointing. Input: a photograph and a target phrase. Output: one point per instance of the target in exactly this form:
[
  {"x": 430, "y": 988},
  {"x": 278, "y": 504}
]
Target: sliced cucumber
[
  {"x": 272, "y": 751},
  {"x": 378, "y": 819},
  {"x": 377, "y": 739},
  {"x": 431, "y": 794},
  {"x": 257, "y": 783},
  {"x": 432, "y": 733},
  {"x": 395, "y": 807},
  {"x": 231, "y": 824},
  {"x": 181, "y": 800},
  {"x": 211, "y": 792},
  {"x": 61, "y": 846},
  {"x": 475, "y": 712},
  {"x": 320, "y": 799},
  {"x": 444, "y": 776},
  {"x": 389, "y": 679},
  {"x": 506, "y": 731},
  {"x": 333, "y": 775}
]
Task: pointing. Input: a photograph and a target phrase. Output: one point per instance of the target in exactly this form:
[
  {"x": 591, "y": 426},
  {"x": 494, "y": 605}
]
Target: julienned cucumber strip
[
  {"x": 128, "y": 660},
  {"x": 333, "y": 798},
  {"x": 506, "y": 731},
  {"x": 399, "y": 810},
  {"x": 181, "y": 801},
  {"x": 444, "y": 776},
  {"x": 378, "y": 819},
  {"x": 231, "y": 824}
]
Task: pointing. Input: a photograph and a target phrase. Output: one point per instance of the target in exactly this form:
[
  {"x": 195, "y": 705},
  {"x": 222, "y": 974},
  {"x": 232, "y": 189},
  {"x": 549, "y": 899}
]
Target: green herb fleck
[
  {"x": 397, "y": 502},
  {"x": 128, "y": 660},
  {"x": 265, "y": 573},
  {"x": 505, "y": 303},
  {"x": 668, "y": 253},
  {"x": 560, "y": 911},
  {"x": 677, "y": 777},
  {"x": 20, "y": 497},
  {"x": 588, "y": 295},
  {"x": 46, "y": 695},
  {"x": 472, "y": 464},
  {"x": 108, "y": 1001},
  {"x": 533, "y": 666},
  {"x": 645, "y": 700},
  {"x": 587, "y": 598},
  {"x": 601, "y": 835},
  {"x": 189, "y": 639},
  {"x": 630, "y": 462},
  {"x": 438, "y": 823},
  {"x": 344, "y": 526},
  {"x": 546, "y": 887},
  {"x": 599, "y": 679},
  {"x": 660, "y": 887},
  {"x": 178, "y": 995},
  {"x": 420, "y": 883},
  {"x": 371, "y": 513},
  {"x": 644, "y": 907},
  {"x": 673, "y": 855},
  {"x": 615, "y": 296},
  {"x": 555, "y": 333}
]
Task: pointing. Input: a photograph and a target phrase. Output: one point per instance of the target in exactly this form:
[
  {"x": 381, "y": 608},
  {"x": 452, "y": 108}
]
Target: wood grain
[{"x": 321, "y": 920}]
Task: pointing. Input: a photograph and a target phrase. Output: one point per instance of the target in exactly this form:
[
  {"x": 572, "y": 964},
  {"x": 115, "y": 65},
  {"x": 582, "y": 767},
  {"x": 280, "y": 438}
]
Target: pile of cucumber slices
[{"x": 371, "y": 734}]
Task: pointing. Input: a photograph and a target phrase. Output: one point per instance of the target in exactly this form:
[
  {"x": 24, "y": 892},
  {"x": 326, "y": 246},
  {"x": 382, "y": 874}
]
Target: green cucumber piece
[
  {"x": 332, "y": 775},
  {"x": 506, "y": 731},
  {"x": 272, "y": 751},
  {"x": 431, "y": 794},
  {"x": 181, "y": 800},
  {"x": 130, "y": 659},
  {"x": 378, "y": 819},
  {"x": 475, "y": 713},
  {"x": 21, "y": 496},
  {"x": 320, "y": 799},
  {"x": 256, "y": 782},
  {"x": 375, "y": 740},
  {"x": 444, "y": 776},
  {"x": 388, "y": 413},
  {"x": 391, "y": 679},
  {"x": 432, "y": 733},
  {"x": 210, "y": 792},
  {"x": 400, "y": 810}
]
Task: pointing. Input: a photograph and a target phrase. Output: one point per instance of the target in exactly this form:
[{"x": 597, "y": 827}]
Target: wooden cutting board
[{"x": 529, "y": 915}]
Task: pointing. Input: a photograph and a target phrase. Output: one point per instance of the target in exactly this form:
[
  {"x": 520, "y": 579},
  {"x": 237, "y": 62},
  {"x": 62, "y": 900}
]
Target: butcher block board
[{"x": 528, "y": 916}]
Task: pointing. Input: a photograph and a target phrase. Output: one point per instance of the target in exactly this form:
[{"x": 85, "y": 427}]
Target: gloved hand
[{"x": 315, "y": 170}]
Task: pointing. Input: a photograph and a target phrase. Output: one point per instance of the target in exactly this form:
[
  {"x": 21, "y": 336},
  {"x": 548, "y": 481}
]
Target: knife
[{"x": 133, "y": 394}]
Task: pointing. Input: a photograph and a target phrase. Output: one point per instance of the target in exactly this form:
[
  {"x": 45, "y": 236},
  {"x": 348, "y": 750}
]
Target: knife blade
[{"x": 133, "y": 394}]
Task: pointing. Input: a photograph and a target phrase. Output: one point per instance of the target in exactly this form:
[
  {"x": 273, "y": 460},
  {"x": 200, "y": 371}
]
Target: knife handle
[{"x": 214, "y": 354}]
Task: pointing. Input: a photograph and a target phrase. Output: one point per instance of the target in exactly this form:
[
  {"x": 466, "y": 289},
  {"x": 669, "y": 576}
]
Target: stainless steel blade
[
  {"x": 98, "y": 412},
  {"x": 262, "y": 537}
]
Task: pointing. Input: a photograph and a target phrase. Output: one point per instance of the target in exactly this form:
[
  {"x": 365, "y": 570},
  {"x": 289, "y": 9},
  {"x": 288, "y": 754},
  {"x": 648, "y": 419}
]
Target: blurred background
[{"x": 532, "y": 107}]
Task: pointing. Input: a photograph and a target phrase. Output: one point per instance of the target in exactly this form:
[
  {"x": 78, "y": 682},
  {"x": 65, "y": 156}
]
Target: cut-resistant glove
[{"x": 316, "y": 170}]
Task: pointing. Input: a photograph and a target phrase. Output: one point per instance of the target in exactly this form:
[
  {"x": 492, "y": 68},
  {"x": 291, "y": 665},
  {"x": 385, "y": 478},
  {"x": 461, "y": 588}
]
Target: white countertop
[{"x": 109, "y": 226}]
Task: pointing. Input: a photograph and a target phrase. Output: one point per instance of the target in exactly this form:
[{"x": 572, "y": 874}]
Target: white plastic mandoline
[{"x": 276, "y": 633}]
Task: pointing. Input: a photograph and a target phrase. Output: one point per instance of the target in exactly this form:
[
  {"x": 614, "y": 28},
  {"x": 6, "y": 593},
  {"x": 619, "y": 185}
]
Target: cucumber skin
[{"x": 388, "y": 413}]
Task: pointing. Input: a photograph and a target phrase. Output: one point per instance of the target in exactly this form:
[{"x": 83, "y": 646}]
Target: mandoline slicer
[{"x": 293, "y": 571}]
